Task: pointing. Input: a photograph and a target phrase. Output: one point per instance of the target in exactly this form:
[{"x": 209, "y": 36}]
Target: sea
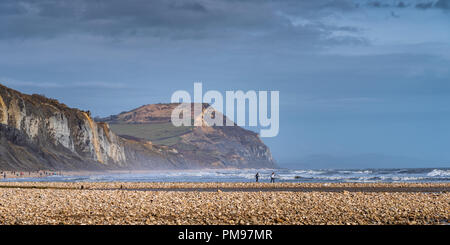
[{"x": 248, "y": 175}]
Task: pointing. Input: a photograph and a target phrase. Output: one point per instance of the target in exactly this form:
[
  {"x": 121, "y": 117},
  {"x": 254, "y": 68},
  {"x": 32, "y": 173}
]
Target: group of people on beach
[
  {"x": 15, "y": 174},
  {"x": 272, "y": 177}
]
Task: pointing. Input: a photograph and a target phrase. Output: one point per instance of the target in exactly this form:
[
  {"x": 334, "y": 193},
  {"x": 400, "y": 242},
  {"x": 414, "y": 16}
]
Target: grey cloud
[
  {"x": 175, "y": 19},
  {"x": 91, "y": 84},
  {"x": 381, "y": 4},
  {"x": 443, "y": 4},
  {"x": 424, "y": 5},
  {"x": 439, "y": 4},
  {"x": 402, "y": 5},
  {"x": 11, "y": 8},
  {"x": 115, "y": 17},
  {"x": 378, "y": 4},
  {"x": 197, "y": 7},
  {"x": 341, "y": 5}
]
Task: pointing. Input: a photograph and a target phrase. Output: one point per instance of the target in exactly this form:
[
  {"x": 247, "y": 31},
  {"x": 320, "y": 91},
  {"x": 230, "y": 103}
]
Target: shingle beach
[{"x": 223, "y": 203}]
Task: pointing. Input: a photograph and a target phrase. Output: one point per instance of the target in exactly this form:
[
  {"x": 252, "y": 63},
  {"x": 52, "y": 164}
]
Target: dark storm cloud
[
  {"x": 159, "y": 18},
  {"x": 197, "y": 7},
  {"x": 424, "y": 5},
  {"x": 440, "y": 4},
  {"x": 378, "y": 4}
]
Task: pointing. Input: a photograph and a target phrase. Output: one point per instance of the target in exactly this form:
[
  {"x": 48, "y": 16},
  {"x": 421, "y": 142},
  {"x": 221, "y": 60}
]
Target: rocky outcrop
[
  {"x": 40, "y": 133},
  {"x": 206, "y": 146}
]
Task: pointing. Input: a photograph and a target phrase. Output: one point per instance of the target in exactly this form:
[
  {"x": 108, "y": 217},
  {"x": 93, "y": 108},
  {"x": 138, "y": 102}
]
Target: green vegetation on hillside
[{"x": 158, "y": 133}]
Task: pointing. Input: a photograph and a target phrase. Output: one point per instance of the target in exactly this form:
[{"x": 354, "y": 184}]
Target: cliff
[
  {"x": 40, "y": 133},
  {"x": 223, "y": 146}
]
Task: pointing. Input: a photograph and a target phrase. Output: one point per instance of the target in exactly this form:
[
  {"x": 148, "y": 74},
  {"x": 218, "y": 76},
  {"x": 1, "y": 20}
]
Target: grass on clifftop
[{"x": 158, "y": 133}]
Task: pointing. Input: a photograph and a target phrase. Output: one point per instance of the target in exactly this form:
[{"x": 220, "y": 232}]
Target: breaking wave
[{"x": 439, "y": 172}]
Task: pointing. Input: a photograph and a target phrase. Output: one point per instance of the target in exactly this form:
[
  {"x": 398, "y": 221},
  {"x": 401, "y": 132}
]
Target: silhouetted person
[
  {"x": 257, "y": 177},
  {"x": 272, "y": 177}
]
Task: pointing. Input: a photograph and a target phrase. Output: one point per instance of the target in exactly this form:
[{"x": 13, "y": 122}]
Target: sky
[{"x": 359, "y": 79}]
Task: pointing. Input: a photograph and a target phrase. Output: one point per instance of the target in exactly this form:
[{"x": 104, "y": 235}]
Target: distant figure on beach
[
  {"x": 272, "y": 177},
  {"x": 257, "y": 176}
]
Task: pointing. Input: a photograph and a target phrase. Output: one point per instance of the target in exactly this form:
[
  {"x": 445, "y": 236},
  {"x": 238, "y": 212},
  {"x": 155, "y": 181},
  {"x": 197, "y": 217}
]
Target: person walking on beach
[
  {"x": 272, "y": 177},
  {"x": 257, "y": 176}
]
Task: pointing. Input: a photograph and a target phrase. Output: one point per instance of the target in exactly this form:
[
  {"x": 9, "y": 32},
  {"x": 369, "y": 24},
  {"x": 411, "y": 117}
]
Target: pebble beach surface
[{"x": 223, "y": 203}]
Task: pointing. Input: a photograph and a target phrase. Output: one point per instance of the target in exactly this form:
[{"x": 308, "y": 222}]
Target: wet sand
[{"x": 223, "y": 203}]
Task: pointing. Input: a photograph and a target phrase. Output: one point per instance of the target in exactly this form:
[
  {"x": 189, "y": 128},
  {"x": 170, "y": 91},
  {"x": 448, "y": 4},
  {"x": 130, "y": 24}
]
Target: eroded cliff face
[
  {"x": 227, "y": 147},
  {"x": 204, "y": 146},
  {"x": 41, "y": 133},
  {"x": 61, "y": 137}
]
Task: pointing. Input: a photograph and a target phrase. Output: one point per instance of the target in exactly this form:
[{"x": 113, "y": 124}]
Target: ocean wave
[
  {"x": 355, "y": 171},
  {"x": 439, "y": 172},
  {"x": 312, "y": 172}
]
